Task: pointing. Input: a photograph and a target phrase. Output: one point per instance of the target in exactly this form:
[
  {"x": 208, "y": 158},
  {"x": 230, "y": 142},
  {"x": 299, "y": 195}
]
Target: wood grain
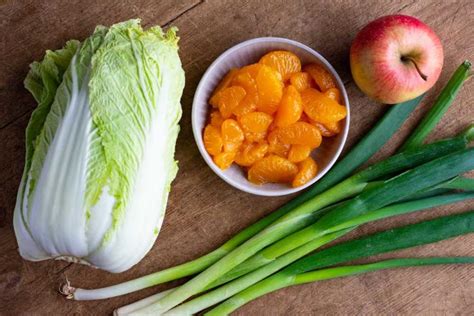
[{"x": 203, "y": 211}]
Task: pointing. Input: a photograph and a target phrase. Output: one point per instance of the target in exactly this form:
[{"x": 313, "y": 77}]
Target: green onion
[
  {"x": 392, "y": 190},
  {"x": 296, "y": 239},
  {"x": 130, "y": 308},
  {"x": 240, "y": 284},
  {"x": 390, "y": 240},
  {"x": 392, "y": 210},
  {"x": 394, "y": 239},
  {"x": 441, "y": 105},
  {"x": 460, "y": 183},
  {"x": 331, "y": 273},
  {"x": 301, "y": 237},
  {"x": 386, "y": 264},
  {"x": 370, "y": 144},
  {"x": 243, "y": 282}
]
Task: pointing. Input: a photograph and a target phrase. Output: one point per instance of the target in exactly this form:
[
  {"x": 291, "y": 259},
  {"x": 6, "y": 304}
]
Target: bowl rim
[{"x": 197, "y": 130}]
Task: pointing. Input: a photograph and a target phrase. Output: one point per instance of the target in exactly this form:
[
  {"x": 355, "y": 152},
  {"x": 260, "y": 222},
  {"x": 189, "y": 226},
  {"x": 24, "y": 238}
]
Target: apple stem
[{"x": 422, "y": 75}]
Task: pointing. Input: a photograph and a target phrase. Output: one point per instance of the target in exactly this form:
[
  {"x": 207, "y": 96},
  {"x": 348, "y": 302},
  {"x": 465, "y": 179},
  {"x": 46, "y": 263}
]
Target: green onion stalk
[
  {"x": 269, "y": 254},
  {"x": 231, "y": 288},
  {"x": 315, "y": 267},
  {"x": 330, "y": 273},
  {"x": 441, "y": 105},
  {"x": 297, "y": 239},
  {"x": 388, "y": 166},
  {"x": 343, "y": 190},
  {"x": 390, "y": 191}
]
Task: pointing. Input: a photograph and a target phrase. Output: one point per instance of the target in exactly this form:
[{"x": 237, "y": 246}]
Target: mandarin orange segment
[
  {"x": 307, "y": 171},
  {"x": 212, "y": 140},
  {"x": 224, "y": 160},
  {"x": 300, "y": 133},
  {"x": 334, "y": 127},
  {"x": 226, "y": 82},
  {"x": 276, "y": 147},
  {"x": 247, "y": 105},
  {"x": 216, "y": 119},
  {"x": 321, "y": 108},
  {"x": 246, "y": 79},
  {"x": 249, "y": 153},
  {"x": 285, "y": 62},
  {"x": 270, "y": 89},
  {"x": 334, "y": 94},
  {"x": 321, "y": 76},
  {"x": 249, "y": 102},
  {"x": 301, "y": 81},
  {"x": 325, "y": 132},
  {"x": 255, "y": 122},
  {"x": 229, "y": 99},
  {"x": 290, "y": 108},
  {"x": 255, "y": 137},
  {"x": 298, "y": 153},
  {"x": 232, "y": 135},
  {"x": 251, "y": 70},
  {"x": 272, "y": 169}
]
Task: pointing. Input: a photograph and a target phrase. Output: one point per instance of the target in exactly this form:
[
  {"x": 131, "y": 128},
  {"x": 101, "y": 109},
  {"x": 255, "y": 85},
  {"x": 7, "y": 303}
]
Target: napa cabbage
[{"x": 100, "y": 147}]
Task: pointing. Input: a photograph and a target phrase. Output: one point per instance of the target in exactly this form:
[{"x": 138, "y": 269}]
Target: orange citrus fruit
[
  {"x": 249, "y": 153},
  {"x": 276, "y": 146},
  {"x": 216, "y": 119},
  {"x": 321, "y": 76},
  {"x": 300, "y": 133},
  {"x": 255, "y": 137},
  {"x": 329, "y": 129},
  {"x": 232, "y": 135},
  {"x": 252, "y": 70},
  {"x": 270, "y": 89},
  {"x": 290, "y": 108},
  {"x": 334, "y": 127},
  {"x": 221, "y": 86},
  {"x": 301, "y": 81},
  {"x": 245, "y": 80},
  {"x": 325, "y": 132},
  {"x": 299, "y": 153},
  {"x": 334, "y": 93},
  {"x": 255, "y": 122},
  {"x": 307, "y": 171},
  {"x": 321, "y": 108},
  {"x": 285, "y": 62},
  {"x": 229, "y": 99},
  {"x": 272, "y": 169},
  {"x": 212, "y": 140},
  {"x": 224, "y": 160}
]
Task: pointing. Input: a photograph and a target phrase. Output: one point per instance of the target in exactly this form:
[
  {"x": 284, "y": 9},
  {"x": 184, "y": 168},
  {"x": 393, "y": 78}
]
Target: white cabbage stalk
[{"x": 100, "y": 147}]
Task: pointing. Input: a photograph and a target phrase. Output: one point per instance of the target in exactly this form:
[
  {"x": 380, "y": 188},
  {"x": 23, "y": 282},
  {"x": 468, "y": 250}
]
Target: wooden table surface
[{"x": 204, "y": 211}]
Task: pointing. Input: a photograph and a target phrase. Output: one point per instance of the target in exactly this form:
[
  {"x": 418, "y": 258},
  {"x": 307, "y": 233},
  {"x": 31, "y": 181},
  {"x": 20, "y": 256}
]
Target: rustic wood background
[{"x": 204, "y": 211}]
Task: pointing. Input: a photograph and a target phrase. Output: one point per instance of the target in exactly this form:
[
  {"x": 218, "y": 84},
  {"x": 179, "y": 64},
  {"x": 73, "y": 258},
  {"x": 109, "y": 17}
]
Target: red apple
[{"x": 396, "y": 58}]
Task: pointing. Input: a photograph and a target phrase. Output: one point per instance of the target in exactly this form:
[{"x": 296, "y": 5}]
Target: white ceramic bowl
[{"x": 243, "y": 54}]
